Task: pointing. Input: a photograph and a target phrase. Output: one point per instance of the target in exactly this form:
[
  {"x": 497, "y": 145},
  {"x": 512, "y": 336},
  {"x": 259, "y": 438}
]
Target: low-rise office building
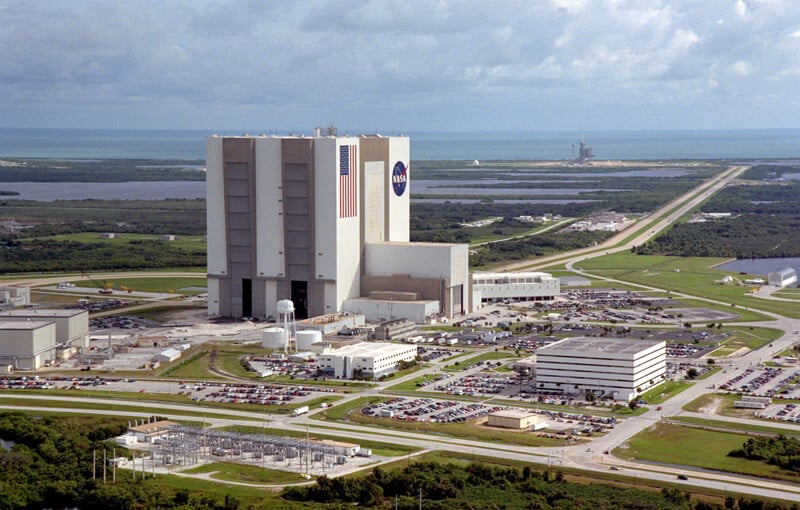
[
  {"x": 369, "y": 360},
  {"x": 614, "y": 367},
  {"x": 530, "y": 286}
]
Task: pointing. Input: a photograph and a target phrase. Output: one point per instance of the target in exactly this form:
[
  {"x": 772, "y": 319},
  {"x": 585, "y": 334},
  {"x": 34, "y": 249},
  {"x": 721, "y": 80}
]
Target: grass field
[
  {"x": 699, "y": 448},
  {"x": 246, "y": 473},
  {"x": 183, "y": 242},
  {"x": 737, "y": 427},
  {"x": 692, "y": 275},
  {"x": 665, "y": 391},
  {"x": 487, "y": 356},
  {"x": 169, "y": 285}
]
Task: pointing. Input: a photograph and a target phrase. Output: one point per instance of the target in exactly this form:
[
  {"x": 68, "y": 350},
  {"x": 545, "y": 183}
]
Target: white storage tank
[
  {"x": 285, "y": 306},
  {"x": 272, "y": 338},
  {"x": 305, "y": 338}
]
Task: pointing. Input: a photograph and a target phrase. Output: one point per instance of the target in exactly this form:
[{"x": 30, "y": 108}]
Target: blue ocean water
[{"x": 466, "y": 146}]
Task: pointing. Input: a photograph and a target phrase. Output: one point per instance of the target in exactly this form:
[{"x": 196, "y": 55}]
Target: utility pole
[
  {"x": 114, "y": 467},
  {"x": 420, "y": 497},
  {"x": 105, "y": 463},
  {"x": 94, "y": 464}
]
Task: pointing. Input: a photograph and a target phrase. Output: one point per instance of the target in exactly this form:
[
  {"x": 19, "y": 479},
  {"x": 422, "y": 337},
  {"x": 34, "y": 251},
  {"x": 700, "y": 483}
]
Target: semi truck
[{"x": 300, "y": 410}]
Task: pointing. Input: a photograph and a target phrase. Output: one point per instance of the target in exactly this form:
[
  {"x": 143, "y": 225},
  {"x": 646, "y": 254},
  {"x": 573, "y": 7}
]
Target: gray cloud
[{"x": 394, "y": 64}]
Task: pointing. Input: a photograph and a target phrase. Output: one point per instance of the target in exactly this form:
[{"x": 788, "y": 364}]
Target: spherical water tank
[
  {"x": 304, "y": 339},
  {"x": 285, "y": 306},
  {"x": 272, "y": 338}
]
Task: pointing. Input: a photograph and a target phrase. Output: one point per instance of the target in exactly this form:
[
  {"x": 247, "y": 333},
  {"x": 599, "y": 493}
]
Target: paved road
[{"x": 589, "y": 458}]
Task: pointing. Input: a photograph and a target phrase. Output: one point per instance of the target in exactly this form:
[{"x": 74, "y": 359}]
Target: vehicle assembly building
[
  {"x": 616, "y": 367},
  {"x": 321, "y": 220}
]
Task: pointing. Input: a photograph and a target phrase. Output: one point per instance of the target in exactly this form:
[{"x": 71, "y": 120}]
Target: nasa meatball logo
[{"x": 399, "y": 178}]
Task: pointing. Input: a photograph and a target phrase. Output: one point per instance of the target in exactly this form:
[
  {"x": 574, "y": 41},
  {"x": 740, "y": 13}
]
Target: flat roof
[
  {"x": 590, "y": 344},
  {"x": 22, "y": 325},
  {"x": 373, "y": 300},
  {"x": 155, "y": 426},
  {"x": 425, "y": 244},
  {"x": 43, "y": 312},
  {"x": 528, "y": 274},
  {"x": 369, "y": 349},
  {"x": 514, "y": 413}
]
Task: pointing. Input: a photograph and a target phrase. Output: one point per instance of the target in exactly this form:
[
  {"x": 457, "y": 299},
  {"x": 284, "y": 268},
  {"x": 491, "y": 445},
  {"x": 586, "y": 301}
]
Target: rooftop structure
[
  {"x": 369, "y": 360},
  {"x": 615, "y": 367},
  {"x": 536, "y": 286}
]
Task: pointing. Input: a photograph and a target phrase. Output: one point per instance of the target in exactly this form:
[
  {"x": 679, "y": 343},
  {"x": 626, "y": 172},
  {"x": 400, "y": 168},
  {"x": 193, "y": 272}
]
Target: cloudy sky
[{"x": 394, "y": 65}]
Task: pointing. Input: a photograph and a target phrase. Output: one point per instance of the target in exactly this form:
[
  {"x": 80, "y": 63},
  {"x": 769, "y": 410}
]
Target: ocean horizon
[{"x": 736, "y": 144}]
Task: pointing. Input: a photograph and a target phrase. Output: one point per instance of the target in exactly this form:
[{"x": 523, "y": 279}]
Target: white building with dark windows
[
  {"x": 614, "y": 367},
  {"x": 320, "y": 220},
  {"x": 369, "y": 360},
  {"x": 529, "y": 286}
]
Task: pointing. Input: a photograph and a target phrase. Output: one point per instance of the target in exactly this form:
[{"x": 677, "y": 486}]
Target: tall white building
[
  {"x": 319, "y": 220},
  {"x": 615, "y": 367}
]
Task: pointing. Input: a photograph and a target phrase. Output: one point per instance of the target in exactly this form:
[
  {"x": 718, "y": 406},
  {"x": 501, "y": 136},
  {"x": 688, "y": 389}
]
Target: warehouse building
[
  {"x": 368, "y": 360},
  {"x": 530, "y": 286},
  {"x": 12, "y": 296},
  {"x": 613, "y": 367},
  {"x": 27, "y": 344},
  {"x": 71, "y": 326},
  {"x": 782, "y": 278},
  {"x": 516, "y": 419},
  {"x": 321, "y": 220}
]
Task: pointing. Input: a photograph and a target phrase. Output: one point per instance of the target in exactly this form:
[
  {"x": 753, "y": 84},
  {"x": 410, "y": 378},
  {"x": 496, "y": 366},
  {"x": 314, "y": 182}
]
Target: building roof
[
  {"x": 527, "y": 274},
  {"x": 43, "y": 312},
  {"x": 170, "y": 353},
  {"x": 369, "y": 349},
  {"x": 152, "y": 427},
  {"x": 518, "y": 414},
  {"x": 20, "y": 325},
  {"x": 587, "y": 344}
]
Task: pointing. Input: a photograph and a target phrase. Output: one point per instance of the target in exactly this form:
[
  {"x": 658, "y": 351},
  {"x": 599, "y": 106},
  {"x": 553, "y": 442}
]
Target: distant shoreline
[{"x": 739, "y": 144}]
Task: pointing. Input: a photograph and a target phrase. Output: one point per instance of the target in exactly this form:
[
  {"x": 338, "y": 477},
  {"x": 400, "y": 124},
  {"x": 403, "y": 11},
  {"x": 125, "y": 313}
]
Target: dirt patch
[{"x": 712, "y": 407}]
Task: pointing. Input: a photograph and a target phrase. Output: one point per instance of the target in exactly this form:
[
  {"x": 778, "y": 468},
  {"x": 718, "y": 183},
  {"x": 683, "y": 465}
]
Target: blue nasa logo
[{"x": 399, "y": 178}]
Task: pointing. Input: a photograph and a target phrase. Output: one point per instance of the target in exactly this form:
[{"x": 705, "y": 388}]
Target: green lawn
[
  {"x": 169, "y": 285},
  {"x": 195, "y": 366},
  {"x": 665, "y": 391},
  {"x": 246, "y": 473},
  {"x": 698, "y": 448},
  {"x": 735, "y": 426},
  {"x": 691, "y": 275},
  {"x": 486, "y": 356}
]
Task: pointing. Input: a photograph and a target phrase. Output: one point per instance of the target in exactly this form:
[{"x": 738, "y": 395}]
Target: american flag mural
[{"x": 348, "y": 181}]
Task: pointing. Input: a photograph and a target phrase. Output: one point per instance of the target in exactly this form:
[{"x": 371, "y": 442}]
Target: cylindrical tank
[
  {"x": 272, "y": 338},
  {"x": 285, "y": 306},
  {"x": 305, "y": 338}
]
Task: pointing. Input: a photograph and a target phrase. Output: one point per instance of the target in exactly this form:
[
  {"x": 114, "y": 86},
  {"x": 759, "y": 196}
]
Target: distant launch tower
[{"x": 585, "y": 153}]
